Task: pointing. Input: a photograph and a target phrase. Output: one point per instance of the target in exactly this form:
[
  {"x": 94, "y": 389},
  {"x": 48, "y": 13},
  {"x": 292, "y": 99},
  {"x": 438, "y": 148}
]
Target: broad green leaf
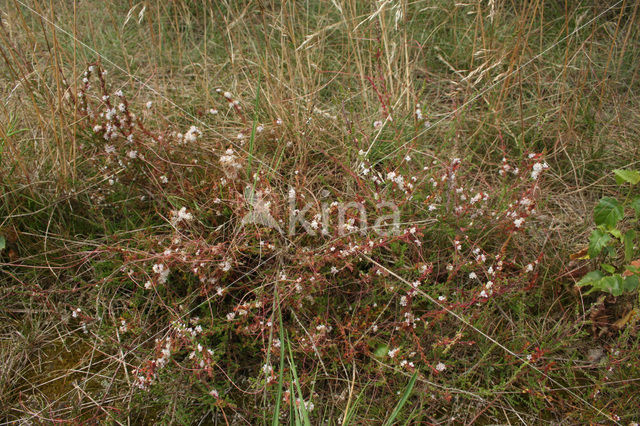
[
  {"x": 631, "y": 283},
  {"x": 629, "y": 176},
  {"x": 597, "y": 242},
  {"x": 612, "y": 284},
  {"x": 628, "y": 240},
  {"x": 615, "y": 232},
  {"x": 615, "y": 284},
  {"x": 608, "y": 268},
  {"x": 591, "y": 277},
  {"x": 381, "y": 351},
  {"x": 608, "y": 212}
]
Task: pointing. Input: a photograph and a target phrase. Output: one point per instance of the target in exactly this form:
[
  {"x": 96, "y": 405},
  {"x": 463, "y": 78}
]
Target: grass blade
[
  {"x": 403, "y": 400},
  {"x": 276, "y": 409},
  {"x": 303, "y": 407}
]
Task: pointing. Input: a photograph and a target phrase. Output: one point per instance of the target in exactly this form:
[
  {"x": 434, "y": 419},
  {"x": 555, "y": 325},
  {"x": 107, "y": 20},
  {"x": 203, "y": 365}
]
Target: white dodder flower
[
  {"x": 230, "y": 164},
  {"x": 225, "y": 265},
  {"x": 162, "y": 271},
  {"x": 191, "y": 136},
  {"x": 110, "y": 114},
  {"x": 537, "y": 169},
  {"x": 178, "y": 216}
]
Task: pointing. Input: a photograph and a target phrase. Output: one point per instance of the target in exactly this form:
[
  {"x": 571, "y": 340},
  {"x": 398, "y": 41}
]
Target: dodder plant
[{"x": 215, "y": 284}]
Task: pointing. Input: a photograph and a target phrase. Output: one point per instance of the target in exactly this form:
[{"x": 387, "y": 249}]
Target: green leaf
[
  {"x": 631, "y": 283},
  {"x": 3, "y": 242},
  {"x": 608, "y": 212},
  {"x": 612, "y": 284},
  {"x": 628, "y": 239},
  {"x": 608, "y": 268},
  {"x": 629, "y": 176},
  {"x": 615, "y": 232},
  {"x": 381, "y": 351},
  {"x": 590, "y": 278},
  {"x": 597, "y": 242}
]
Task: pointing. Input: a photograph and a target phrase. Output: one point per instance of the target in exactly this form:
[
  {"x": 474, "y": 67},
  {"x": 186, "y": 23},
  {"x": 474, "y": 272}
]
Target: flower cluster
[
  {"x": 230, "y": 163},
  {"x": 190, "y": 136}
]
